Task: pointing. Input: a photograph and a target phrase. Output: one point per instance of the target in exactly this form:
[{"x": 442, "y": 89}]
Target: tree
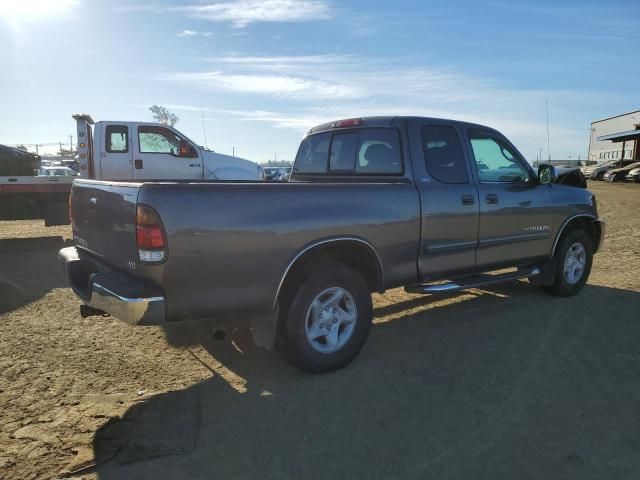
[
  {"x": 21, "y": 147},
  {"x": 163, "y": 115}
]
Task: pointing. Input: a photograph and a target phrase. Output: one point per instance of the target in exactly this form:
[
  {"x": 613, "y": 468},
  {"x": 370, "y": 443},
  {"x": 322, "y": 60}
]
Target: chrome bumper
[{"x": 112, "y": 292}]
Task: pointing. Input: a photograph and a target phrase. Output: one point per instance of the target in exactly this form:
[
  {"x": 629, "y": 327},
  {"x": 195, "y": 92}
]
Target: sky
[{"x": 262, "y": 72}]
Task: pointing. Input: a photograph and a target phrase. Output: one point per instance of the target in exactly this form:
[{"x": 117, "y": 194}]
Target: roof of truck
[{"x": 387, "y": 121}]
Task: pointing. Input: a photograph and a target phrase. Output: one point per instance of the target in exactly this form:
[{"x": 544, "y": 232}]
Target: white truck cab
[{"x": 151, "y": 151}]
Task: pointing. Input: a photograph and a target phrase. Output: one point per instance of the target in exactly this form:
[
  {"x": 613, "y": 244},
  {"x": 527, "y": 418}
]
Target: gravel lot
[{"x": 495, "y": 383}]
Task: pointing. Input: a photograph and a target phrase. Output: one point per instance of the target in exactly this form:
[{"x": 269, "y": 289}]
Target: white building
[{"x": 621, "y": 133}]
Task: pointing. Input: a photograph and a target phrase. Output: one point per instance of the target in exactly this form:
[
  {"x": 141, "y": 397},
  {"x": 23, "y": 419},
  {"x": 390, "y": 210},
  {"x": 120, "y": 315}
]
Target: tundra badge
[{"x": 538, "y": 228}]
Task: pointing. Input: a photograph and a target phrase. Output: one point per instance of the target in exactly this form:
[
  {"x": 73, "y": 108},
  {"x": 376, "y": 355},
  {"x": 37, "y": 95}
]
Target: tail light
[{"x": 150, "y": 236}]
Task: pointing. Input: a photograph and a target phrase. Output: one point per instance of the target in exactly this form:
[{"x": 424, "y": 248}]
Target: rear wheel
[
  {"x": 573, "y": 260},
  {"x": 327, "y": 320}
]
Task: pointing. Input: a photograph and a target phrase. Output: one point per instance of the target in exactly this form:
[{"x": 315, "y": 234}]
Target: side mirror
[
  {"x": 547, "y": 174},
  {"x": 185, "y": 149}
]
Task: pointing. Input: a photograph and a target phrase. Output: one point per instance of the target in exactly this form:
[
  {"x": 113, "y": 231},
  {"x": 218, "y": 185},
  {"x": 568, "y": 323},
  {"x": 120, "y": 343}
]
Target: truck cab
[{"x": 119, "y": 150}]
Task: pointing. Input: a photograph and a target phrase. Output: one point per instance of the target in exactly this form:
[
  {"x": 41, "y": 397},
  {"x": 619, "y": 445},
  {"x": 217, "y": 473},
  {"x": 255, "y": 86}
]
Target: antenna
[
  {"x": 204, "y": 132},
  {"x": 546, "y": 102}
]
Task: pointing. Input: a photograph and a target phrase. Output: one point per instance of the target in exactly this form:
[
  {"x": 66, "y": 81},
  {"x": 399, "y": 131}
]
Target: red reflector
[
  {"x": 149, "y": 237},
  {"x": 351, "y": 122}
]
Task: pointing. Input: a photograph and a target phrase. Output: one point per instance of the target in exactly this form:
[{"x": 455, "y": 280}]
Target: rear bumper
[{"x": 110, "y": 291}]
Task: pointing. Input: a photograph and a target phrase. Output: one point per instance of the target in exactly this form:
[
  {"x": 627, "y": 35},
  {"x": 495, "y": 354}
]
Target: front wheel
[
  {"x": 327, "y": 321},
  {"x": 573, "y": 260}
]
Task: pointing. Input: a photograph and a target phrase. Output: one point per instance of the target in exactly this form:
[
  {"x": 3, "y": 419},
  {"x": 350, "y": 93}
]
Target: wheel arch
[
  {"x": 352, "y": 251},
  {"x": 586, "y": 222}
]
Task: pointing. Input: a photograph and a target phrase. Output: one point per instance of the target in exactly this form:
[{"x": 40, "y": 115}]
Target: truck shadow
[
  {"x": 501, "y": 383},
  {"x": 29, "y": 269}
]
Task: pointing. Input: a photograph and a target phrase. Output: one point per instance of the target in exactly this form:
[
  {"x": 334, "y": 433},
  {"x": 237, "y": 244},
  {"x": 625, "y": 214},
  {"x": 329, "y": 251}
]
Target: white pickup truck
[
  {"x": 115, "y": 151},
  {"x": 151, "y": 151}
]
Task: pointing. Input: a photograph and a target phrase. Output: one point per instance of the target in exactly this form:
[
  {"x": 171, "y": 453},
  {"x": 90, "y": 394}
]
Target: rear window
[
  {"x": 379, "y": 152},
  {"x": 117, "y": 139},
  {"x": 343, "y": 152},
  {"x": 368, "y": 151},
  {"x": 313, "y": 154}
]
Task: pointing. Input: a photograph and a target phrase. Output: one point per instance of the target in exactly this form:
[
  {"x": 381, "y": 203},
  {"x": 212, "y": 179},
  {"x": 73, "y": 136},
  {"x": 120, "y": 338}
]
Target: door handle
[
  {"x": 491, "y": 198},
  {"x": 137, "y": 164},
  {"x": 468, "y": 200}
]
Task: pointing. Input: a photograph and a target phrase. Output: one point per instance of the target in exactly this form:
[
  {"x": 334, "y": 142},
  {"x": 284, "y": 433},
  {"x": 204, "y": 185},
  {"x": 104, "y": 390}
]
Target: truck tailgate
[{"x": 104, "y": 220}]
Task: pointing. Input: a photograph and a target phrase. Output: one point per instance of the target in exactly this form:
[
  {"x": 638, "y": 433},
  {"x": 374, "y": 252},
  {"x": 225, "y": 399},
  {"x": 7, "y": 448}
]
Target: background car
[
  {"x": 633, "y": 175},
  {"x": 619, "y": 174},
  {"x": 596, "y": 172},
  {"x": 277, "y": 174},
  {"x": 57, "y": 172}
]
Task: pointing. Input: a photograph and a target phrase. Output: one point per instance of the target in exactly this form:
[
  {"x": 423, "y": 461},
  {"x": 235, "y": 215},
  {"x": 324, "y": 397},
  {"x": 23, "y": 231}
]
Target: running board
[{"x": 473, "y": 281}]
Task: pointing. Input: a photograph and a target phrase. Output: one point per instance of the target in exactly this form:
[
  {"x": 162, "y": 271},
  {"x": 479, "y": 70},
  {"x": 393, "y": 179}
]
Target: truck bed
[{"x": 234, "y": 240}]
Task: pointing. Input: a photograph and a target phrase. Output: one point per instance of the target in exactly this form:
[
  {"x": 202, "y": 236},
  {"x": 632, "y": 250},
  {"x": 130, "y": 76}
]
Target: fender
[
  {"x": 324, "y": 242},
  {"x": 566, "y": 222}
]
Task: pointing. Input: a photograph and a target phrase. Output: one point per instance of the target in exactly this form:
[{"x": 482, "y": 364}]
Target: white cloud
[
  {"x": 272, "y": 61},
  {"x": 194, "y": 33},
  {"x": 273, "y": 85},
  {"x": 318, "y": 88},
  {"x": 244, "y": 12}
]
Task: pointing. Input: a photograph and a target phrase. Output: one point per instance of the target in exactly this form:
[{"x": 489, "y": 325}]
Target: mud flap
[
  {"x": 547, "y": 274},
  {"x": 264, "y": 329}
]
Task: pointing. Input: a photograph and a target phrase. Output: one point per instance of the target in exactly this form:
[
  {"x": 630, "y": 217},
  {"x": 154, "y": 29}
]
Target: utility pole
[
  {"x": 60, "y": 148},
  {"x": 71, "y": 143},
  {"x": 233, "y": 150},
  {"x": 546, "y": 102},
  {"x": 37, "y": 149},
  {"x": 204, "y": 132}
]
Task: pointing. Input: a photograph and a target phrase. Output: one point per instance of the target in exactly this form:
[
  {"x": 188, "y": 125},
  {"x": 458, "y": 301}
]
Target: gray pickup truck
[{"x": 372, "y": 204}]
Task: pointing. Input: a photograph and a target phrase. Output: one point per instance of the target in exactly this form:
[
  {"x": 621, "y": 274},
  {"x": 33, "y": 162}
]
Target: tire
[
  {"x": 327, "y": 320},
  {"x": 571, "y": 275},
  {"x": 600, "y": 176}
]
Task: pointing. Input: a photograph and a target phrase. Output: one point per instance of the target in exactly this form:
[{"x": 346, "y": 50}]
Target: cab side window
[
  {"x": 495, "y": 160},
  {"x": 154, "y": 139},
  {"x": 443, "y": 154},
  {"x": 117, "y": 139}
]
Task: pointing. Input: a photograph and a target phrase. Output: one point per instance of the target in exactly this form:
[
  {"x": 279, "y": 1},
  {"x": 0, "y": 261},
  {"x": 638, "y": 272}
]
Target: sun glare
[{"x": 25, "y": 10}]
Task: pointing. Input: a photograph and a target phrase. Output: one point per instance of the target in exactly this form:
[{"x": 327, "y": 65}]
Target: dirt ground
[{"x": 505, "y": 382}]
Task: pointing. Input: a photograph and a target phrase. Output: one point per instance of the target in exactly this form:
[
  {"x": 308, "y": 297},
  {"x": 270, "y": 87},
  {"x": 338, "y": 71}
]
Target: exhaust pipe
[{"x": 87, "y": 311}]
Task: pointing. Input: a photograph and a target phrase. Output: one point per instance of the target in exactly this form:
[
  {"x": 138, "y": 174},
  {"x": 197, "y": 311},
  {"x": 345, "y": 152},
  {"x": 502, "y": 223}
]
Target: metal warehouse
[{"x": 613, "y": 136}]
